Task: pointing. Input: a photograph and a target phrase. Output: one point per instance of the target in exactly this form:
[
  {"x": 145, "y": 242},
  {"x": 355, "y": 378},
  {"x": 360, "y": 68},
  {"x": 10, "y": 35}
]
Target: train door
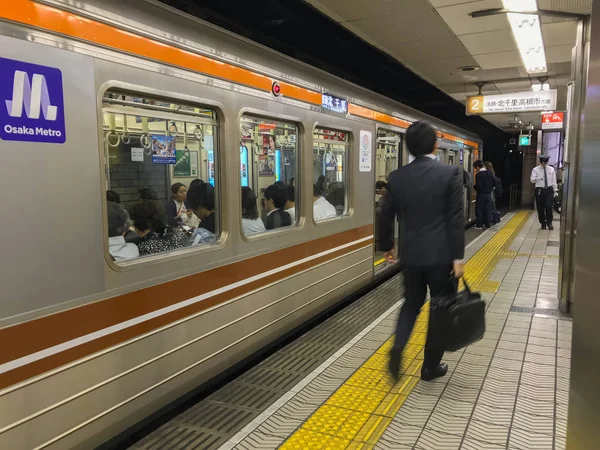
[
  {"x": 467, "y": 165},
  {"x": 451, "y": 158},
  {"x": 387, "y": 159}
]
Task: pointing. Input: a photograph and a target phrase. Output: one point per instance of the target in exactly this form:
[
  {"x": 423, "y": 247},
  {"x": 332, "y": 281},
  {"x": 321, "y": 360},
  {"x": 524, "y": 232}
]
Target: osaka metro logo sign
[{"x": 33, "y": 106}]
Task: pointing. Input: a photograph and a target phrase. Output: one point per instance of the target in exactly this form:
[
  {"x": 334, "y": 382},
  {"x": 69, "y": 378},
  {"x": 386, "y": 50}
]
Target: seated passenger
[
  {"x": 112, "y": 196},
  {"x": 117, "y": 228},
  {"x": 178, "y": 212},
  {"x": 380, "y": 190},
  {"x": 201, "y": 198},
  {"x": 322, "y": 209},
  {"x": 290, "y": 204},
  {"x": 148, "y": 194},
  {"x": 337, "y": 197},
  {"x": 274, "y": 203},
  {"x": 148, "y": 222},
  {"x": 251, "y": 223}
]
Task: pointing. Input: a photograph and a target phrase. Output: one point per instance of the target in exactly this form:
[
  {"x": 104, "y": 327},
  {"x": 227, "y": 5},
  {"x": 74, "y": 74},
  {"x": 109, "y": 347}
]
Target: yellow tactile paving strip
[{"x": 358, "y": 413}]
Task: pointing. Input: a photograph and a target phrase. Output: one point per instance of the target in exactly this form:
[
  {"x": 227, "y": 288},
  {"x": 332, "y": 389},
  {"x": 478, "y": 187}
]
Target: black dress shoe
[
  {"x": 543, "y": 226},
  {"x": 430, "y": 375},
  {"x": 550, "y": 227},
  {"x": 394, "y": 366}
]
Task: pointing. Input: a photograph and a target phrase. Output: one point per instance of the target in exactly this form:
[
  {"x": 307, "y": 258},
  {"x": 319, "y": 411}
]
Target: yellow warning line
[
  {"x": 381, "y": 261},
  {"x": 358, "y": 413}
]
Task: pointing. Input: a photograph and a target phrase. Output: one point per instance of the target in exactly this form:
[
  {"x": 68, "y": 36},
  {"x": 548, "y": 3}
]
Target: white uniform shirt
[
  {"x": 255, "y": 226},
  {"x": 537, "y": 177},
  {"x": 121, "y": 250},
  {"x": 322, "y": 210},
  {"x": 292, "y": 213}
]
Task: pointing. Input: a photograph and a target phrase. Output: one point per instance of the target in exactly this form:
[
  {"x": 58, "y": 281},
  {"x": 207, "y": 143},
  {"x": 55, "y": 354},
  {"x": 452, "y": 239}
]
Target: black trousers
[
  {"x": 416, "y": 281},
  {"x": 483, "y": 210},
  {"x": 543, "y": 200}
]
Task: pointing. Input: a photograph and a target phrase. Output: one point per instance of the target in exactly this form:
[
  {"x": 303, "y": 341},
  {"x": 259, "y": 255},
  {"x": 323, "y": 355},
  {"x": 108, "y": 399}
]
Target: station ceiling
[
  {"x": 297, "y": 29},
  {"x": 435, "y": 37}
]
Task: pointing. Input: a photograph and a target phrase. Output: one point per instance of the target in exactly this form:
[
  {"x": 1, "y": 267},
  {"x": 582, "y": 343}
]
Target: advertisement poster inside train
[
  {"x": 163, "y": 149},
  {"x": 330, "y": 161},
  {"x": 268, "y": 144},
  {"x": 266, "y": 166}
]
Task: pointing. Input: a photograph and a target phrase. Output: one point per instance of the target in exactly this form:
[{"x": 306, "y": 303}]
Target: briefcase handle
[{"x": 452, "y": 279}]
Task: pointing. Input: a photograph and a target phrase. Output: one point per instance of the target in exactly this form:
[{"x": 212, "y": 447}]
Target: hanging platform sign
[
  {"x": 553, "y": 120},
  {"x": 512, "y": 103}
]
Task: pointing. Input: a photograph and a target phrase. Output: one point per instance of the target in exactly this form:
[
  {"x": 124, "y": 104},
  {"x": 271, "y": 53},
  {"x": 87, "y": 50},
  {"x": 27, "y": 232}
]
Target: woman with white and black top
[
  {"x": 178, "y": 212},
  {"x": 149, "y": 224},
  {"x": 251, "y": 223}
]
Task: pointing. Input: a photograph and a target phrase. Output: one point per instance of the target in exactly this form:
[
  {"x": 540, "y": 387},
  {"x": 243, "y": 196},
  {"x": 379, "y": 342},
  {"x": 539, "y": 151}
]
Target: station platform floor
[{"x": 330, "y": 388}]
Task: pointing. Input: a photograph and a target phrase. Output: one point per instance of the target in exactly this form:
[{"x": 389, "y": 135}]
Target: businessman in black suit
[
  {"x": 484, "y": 186},
  {"x": 428, "y": 197}
]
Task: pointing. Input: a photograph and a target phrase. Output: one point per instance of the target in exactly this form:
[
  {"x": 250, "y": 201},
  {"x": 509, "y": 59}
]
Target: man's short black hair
[
  {"x": 276, "y": 192},
  {"x": 420, "y": 139},
  {"x": 201, "y": 195},
  {"x": 290, "y": 193},
  {"x": 478, "y": 164}
]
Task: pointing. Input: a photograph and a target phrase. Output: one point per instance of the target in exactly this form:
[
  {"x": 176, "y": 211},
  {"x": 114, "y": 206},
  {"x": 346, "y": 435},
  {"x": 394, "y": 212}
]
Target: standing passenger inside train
[
  {"x": 148, "y": 221},
  {"x": 428, "y": 197},
  {"x": 117, "y": 228},
  {"x": 178, "y": 212},
  {"x": 251, "y": 223},
  {"x": 484, "y": 186},
  {"x": 201, "y": 198},
  {"x": 275, "y": 201},
  {"x": 290, "y": 204},
  {"x": 322, "y": 209}
]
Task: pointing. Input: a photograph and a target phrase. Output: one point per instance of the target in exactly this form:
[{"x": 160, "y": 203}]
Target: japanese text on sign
[
  {"x": 507, "y": 103},
  {"x": 335, "y": 104}
]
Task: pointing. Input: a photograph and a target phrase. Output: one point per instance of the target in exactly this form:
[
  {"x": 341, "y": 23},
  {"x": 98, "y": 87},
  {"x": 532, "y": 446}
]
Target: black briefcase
[{"x": 460, "y": 318}]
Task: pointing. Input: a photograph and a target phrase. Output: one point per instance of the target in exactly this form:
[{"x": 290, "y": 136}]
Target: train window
[
  {"x": 160, "y": 161},
  {"x": 268, "y": 170},
  {"x": 330, "y": 173}
]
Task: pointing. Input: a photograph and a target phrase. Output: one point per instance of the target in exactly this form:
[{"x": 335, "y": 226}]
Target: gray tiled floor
[{"x": 510, "y": 390}]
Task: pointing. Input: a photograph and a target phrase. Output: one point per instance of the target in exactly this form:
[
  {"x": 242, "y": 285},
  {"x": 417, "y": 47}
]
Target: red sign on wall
[{"x": 553, "y": 121}]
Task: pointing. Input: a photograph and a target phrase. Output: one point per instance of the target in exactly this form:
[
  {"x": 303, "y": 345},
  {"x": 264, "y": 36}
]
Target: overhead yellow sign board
[{"x": 512, "y": 103}]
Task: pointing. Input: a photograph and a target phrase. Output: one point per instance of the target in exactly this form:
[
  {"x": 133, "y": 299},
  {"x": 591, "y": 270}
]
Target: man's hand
[
  {"x": 458, "y": 269},
  {"x": 390, "y": 256}
]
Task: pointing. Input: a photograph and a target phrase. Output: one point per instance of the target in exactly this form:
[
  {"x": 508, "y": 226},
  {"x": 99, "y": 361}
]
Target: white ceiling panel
[
  {"x": 489, "y": 42},
  {"x": 499, "y": 60},
  {"x": 507, "y": 73},
  {"x": 450, "y": 47},
  {"x": 574, "y": 6},
  {"x": 348, "y": 10},
  {"x": 564, "y": 33},
  {"x": 559, "y": 68},
  {"x": 443, "y": 71},
  {"x": 442, "y": 3},
  {"x": 559, "y": 53},
  {"x": 457, "y": 17},
  {"x": 385, "y": 29},
  {"x": 513, "y": 86}
]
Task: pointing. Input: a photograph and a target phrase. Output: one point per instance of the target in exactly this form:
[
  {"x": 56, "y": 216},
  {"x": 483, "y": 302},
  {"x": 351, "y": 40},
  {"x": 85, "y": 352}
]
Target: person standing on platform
[
  {"x": 544, "y": 179},
  {"x": 428, "y": 197},
  {"x": 484, "y": 186}
]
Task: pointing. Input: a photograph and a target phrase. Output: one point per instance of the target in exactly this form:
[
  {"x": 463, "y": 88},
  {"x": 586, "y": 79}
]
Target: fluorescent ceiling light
[
  {"x": 528, "y": 34},
  {"x": 520, "y": 5}
]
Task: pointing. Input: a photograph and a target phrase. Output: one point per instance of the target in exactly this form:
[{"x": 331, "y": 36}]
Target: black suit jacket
[
  {"x": 428, "y": 197},
  {"x": 277, "y": 219},
  {"x": 485, "y": 182}
]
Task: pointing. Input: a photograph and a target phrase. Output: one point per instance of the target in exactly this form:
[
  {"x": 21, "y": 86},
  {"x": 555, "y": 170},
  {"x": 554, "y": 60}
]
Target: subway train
[{"x": 130, "y": 97}]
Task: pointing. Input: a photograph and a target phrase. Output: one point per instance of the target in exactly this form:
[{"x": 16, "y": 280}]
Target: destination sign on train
[{"x": 512, "y": 103}]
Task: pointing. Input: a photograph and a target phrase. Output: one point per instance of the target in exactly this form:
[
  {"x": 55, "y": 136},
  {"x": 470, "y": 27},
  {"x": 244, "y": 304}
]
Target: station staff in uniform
[
  {"x": 544, "y": 179},
  {"x": 428, "y": 197}
]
